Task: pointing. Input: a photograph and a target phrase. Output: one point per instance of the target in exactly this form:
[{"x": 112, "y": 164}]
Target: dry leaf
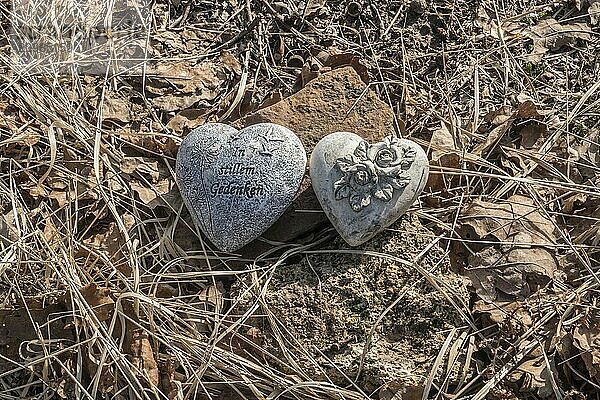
[
  {"x": 520, "y": 262},
  {"x": 512, "y": 316},
  {"x": 515, "y": 274},
  {"x": 534, "y": 376},
  {"x": 231, "y": 63},
  {"x": 99, "y": 300},
  {"x": 500, "y": 121},
  {"x": 211, "y": 303},
  {"x": 116, "y": 108},
  {"x": 193, "y": 83},
  {"x": 110, "y": 243},
  {"x": 487, "y": 21},
  {"x": 168, "y": 382},
  {"x": 549, "y": 35},
  {"x": 586, "y": 337},
  {"x": 594, "y": 12},
  {"x": 516, "y": 221},
  {"x": 187, "y": 120},
  {"x": 443, "y": 154},
  {"x": 8, "y": 231},
  {"x": 158, "y": 188},
  {"x": 143, "y": 357}
]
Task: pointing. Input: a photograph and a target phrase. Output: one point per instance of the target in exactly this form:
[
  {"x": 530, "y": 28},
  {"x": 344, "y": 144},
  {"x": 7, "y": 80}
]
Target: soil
[{"x": 330, "y": 303}]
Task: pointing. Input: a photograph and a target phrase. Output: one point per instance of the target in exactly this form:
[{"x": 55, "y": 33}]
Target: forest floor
[{"x": 487, "y": 288}]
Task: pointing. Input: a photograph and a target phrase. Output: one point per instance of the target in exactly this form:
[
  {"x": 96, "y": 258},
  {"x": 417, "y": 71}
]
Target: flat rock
[
  {"x": 335, "y": 101},
  {"x": 363, "y": 188},
  {"x": 236, "y": 184}
]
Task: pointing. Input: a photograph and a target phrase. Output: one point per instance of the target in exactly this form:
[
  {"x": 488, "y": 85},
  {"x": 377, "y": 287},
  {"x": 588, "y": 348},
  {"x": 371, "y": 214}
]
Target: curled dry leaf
[
  {"x": 550, "y": 35},
  {"x": 64, "y": 189},
  {"x": 99, "y": 300},
  {"x": 210, "y": 305},
  {"x": 534, "y": 376},
  {"x": 511, "y": 316},
  {"x": 169, "y": 384},
  {"x": 8, "y": 231},
  {"x": 516, "y": 220},
  {"x": 143, "y": 357},
  {"x": 498, "y": 122},
  {"x": 180, "y": 85},
  {"x": 594, "y": 12},
  {"x": 445, "y": 155},
  {"x": 508, "y": 248},
  {"x": 108, "y": 244},
  {"x": 516, "y": 273},
  {"x": 186, "y": 120},
  {"x": 583, "y": 217},
  {"x": 116, "y": 108},
  {"x": 158, "y": 187},
  {"x": 487, "y": 20},
  {"x": 586, "y": 337}
]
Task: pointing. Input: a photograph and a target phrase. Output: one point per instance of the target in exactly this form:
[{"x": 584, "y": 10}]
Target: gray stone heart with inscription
[
  {"x": 236, "y": 184},
  {"x": 363, "y": 188}
]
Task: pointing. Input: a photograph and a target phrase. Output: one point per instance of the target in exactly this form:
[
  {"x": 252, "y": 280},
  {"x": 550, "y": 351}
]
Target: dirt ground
[{"x": 486, "y": 289}]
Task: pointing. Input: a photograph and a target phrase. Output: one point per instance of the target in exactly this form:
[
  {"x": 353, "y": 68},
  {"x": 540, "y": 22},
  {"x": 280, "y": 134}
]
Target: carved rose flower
[{"x": 373, "y": 171}]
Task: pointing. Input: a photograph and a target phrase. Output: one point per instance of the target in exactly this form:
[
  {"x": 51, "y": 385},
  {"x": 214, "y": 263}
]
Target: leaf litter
[{"x": 504, "y": 98}]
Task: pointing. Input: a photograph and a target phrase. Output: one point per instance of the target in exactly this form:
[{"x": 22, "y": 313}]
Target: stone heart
[
  {"x": 364, "y": 187},
  {"x": 236, "y": 184}
]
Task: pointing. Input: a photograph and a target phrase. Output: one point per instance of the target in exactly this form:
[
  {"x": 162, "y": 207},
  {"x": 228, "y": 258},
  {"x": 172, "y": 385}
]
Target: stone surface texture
[
  {"x": 363, "y": 188},
  {"x": 236, "y": 184},
  {"x": 335, "y": 101}
]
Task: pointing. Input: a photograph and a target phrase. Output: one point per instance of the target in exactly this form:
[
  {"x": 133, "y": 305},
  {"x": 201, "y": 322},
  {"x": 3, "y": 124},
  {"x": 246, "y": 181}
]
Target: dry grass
[{"x": 74, "y": 215}]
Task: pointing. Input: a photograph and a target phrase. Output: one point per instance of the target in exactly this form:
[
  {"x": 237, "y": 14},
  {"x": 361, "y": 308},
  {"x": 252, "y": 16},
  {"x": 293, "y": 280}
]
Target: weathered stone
[
  {"x": 363, "y": 188},
  {"x": 335, "y": 101},
  {"x": 238, "y": 183}
]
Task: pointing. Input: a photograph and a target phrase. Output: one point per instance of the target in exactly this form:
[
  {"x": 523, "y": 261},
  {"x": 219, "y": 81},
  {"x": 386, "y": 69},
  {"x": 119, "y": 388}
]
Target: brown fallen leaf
[
  {"x": 108, "y": 244},
  {"x": 8, "y": 231},
  {"x": 143, "y": 357},
  {"x": 512, "y": 316},
  {"x": 211, "y": 304},
  {"x": 586, "y": 337},
  {"x": 487, "y": 20},
  {"x": 516, "y": 220},
  {"x": 443, "y": 154},
  {"x": 180, "y": 85},
  {"x": 231, "y": 63},
  {"x": 516, "y": 273},
  {"x": 99, "y": 300},
  {"x": 169, "y": 384},
  {"x": 594, "y": 12},
  {"x": 498, "y": 122},
  {"x": 158, "y": 188},
  {"x": 508, "y": 248},
  {"x": 534, "y": 376},
  {"x": 116, "y": 108},
  {"x": 550, "y": 35},
  {"x": 186, "y": 120}
]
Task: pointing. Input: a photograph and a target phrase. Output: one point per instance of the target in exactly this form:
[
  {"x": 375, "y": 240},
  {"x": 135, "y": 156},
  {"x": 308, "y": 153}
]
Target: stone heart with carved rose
[
  {"x": 236, "y": 184},
  {"x": 363, "y": 188}
]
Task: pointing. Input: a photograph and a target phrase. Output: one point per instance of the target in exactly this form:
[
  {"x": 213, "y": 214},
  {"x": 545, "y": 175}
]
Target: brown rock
[
  {"x": 333, "y": 102},
  {"x": 330, "y": 103}
]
